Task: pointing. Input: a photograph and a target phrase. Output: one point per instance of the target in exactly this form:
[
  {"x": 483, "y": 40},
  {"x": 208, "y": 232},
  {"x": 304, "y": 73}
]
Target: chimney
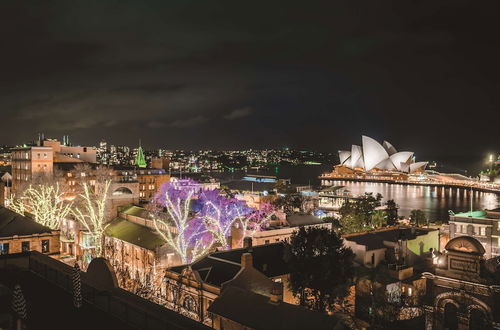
[
  {"x": 247, "y": 242},
  {"x": 246, "y": 260},
  {"x": 276, "y": 293}
]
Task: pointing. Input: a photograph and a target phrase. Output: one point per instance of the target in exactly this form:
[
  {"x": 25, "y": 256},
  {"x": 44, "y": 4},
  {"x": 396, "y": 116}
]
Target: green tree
[
  {"x": 290, "y": 202},
  {"x": 392, "y": 212},
  {"x": 359, "y": 214},
  {"x": 379, "y": 218},
  {"x": 418, "y": 217},
  {"x": 321, "y": 268}
]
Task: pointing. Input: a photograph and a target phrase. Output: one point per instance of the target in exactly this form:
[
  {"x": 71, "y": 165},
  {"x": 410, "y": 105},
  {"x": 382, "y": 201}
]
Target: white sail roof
[
  {"x": 389, "y": 148},
  {"x": 357, "y": 157},
  {"x": 417, "y": 166},
  {"x": 344, "y": 156},
  {"x": 381, "y": 156},
  {"x": 401, "y": 157},
  {"x": 386, "y": 164},
  {"x": 373, "y": 152}
]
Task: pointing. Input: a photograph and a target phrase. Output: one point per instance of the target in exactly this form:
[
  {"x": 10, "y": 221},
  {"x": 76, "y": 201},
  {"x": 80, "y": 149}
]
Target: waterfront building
[
  {"x": 483, "y": 225},
  {"x": 463, "y": 292},
  {"x": 375, "y": 156},
  {"x": 331, "y": 199}
]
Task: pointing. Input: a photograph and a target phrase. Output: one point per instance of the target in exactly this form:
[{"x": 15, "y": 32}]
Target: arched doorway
[
  {"x": 478, "y": 320},
  {"x": 450, "y": 317}
]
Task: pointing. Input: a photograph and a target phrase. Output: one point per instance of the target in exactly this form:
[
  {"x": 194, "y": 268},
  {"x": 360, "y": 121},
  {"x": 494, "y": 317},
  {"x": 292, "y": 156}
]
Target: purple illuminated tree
[
  {"x": 255, "y": 221},
  {"x": 196, "y": 219},
  {"x": 186, "y": 234},
  {"x": 219, "y": 214}
]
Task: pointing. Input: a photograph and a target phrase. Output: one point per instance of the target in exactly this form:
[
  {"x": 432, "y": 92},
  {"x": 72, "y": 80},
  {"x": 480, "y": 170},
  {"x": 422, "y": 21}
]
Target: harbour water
[{"x": 434, "y": 201}]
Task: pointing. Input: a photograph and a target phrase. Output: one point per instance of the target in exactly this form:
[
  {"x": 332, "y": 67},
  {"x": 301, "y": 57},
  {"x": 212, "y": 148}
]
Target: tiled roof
[
  {"x": 257, "y": 312},
  {"x": 268, "y": 259},
  {"x": 12, "y": 223},
  {"x": 219, "y": 267}
]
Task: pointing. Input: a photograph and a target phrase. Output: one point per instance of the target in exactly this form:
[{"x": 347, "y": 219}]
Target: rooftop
[
  {"x": 133, "y": 233},
  {"x": 296, "y": 220},
  {"x": 375, "y": 239},
  {"x": 243, "y": 306},
  {"x": 474, "y": 214},
  {"x": 219, "y": 267},
  {"x": 12, "y": 223}
]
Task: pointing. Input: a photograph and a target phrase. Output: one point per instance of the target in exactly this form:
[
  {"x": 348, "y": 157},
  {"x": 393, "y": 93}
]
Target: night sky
[{"x": 236, "y": 74}]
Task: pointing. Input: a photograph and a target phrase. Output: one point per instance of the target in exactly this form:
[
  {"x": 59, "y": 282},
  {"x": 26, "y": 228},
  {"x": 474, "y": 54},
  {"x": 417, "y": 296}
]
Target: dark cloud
[
  {"x": 188, "y": 122},
  {"x": 306, "y": 74},
  {"x": 239, "y": 113}
]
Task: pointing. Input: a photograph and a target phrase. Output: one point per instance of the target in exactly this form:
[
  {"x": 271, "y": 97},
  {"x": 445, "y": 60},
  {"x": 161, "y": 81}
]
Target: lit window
[
  {"x": 4, "y": 248},
  {"x": 410, "y": 291},
  {"x": 482, "y": 231},
  {"x": 25, "y": 246},
  {"x": 45, "y": 246}
]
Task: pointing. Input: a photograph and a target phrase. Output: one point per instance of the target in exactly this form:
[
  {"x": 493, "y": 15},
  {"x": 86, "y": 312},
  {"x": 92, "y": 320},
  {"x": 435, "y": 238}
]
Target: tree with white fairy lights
[
  {"x": 90, "y": 212},
  {"x": 45, "y": 202},
  {"x": 197, "y": 219}
]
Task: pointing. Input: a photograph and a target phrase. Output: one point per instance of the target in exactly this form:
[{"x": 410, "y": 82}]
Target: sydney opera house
[{"x": 372, "y": 156}]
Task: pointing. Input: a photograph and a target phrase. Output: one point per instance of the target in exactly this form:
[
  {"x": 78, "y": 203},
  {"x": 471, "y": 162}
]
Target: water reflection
[{"x": 434, "y": 201}]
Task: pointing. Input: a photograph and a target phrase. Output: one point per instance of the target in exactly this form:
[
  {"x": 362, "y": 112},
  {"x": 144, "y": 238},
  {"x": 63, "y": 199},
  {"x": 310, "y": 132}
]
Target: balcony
[{"x": 400, "y": 272}]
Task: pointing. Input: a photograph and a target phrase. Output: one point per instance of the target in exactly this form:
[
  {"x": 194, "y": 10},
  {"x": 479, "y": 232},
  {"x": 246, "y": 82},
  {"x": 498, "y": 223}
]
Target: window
[
  {"x": 410, "y": 291},
  {"x": 4, "y": 248},
  {"x": 266, "y": 241},
  {"x": 25, "y": 246},
  {"x": 482, "y": 231},
  {"x": 189, "y": 304},
  {"x": 45, "y": 245}
]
